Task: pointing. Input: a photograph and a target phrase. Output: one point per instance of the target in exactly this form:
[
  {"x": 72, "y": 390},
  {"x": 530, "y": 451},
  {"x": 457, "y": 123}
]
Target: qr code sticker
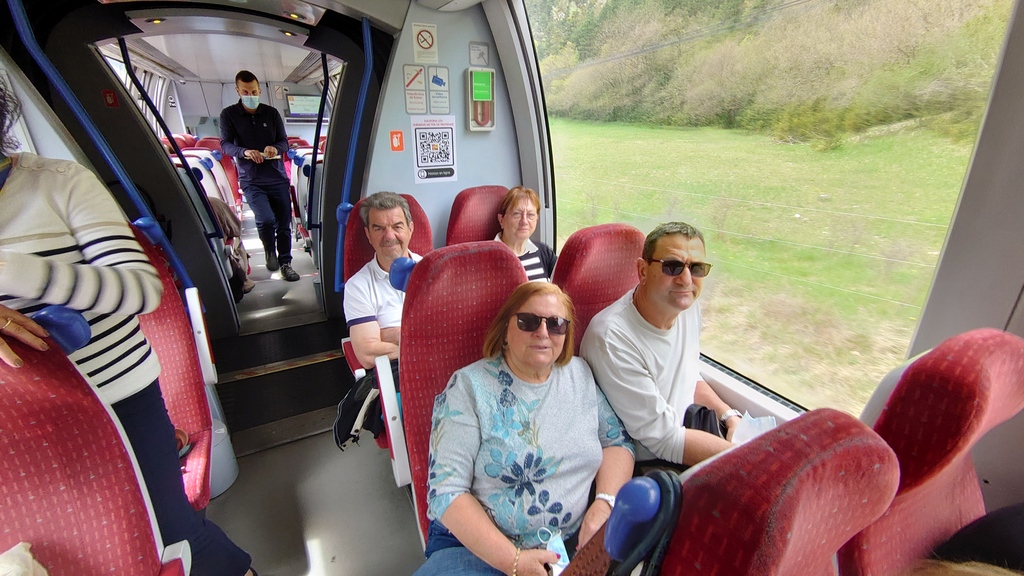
[{"x": 434, "y": 147}]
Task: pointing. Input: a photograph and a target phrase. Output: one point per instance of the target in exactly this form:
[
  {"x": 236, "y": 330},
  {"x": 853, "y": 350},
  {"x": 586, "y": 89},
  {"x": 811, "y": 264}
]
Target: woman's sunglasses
[
  {"x": 531, "y": 322},
  {"x": 675, "y": 267}
]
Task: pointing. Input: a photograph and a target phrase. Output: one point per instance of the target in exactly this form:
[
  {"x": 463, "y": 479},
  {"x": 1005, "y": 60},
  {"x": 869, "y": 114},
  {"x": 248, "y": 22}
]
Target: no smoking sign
[
  {"x": 425, "y": 39},
  {"x": 424, "y": 45}
]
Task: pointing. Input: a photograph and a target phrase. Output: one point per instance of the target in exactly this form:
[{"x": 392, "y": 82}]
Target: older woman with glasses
[
  {"x": 517, "y": 440},
  {"x": 518, "y": 216}
]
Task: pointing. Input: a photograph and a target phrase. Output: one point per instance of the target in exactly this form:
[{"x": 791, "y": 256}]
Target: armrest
[
  {"x": 199, "y": 334},
  {"x": 393, "y": 420},
  {"x": 350, "y": 357},
  {"x": 194, "y": 307},
  {"x": 180, "y": 551}
]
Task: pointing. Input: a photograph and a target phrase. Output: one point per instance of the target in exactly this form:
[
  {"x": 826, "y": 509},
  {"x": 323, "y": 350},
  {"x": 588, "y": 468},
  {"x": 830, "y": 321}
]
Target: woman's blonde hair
[
  {"x": 517, "y": 195},
  {"x": 494, "y": 340},
  {"x": 944, "y": 568}
]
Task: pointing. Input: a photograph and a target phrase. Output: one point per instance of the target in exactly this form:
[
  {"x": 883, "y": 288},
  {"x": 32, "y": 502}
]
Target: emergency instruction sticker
[{"x": 434, "y": 147}]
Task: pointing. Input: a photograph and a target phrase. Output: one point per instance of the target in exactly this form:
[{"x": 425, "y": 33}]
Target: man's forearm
[{"x": 368, "y": 352}]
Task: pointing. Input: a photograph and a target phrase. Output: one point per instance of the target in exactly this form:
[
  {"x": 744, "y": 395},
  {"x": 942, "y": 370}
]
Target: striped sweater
[{"x": 63, "y": 240}]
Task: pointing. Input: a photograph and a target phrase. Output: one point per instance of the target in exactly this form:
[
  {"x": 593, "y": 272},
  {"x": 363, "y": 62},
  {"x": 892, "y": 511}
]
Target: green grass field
[{"x": 822, "y": 259}]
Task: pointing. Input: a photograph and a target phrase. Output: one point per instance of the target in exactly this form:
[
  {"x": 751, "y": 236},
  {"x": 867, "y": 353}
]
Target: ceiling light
[
  {"x": 155, "y": 21},
  {"x": 294, "y": 16},
  {"x": 287, "y": 33}
]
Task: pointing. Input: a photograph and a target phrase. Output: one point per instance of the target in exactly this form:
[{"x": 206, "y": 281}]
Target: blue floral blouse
[{"x": 527, "y": 452}]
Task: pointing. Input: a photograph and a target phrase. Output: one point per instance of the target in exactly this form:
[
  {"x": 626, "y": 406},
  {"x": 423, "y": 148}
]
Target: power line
[
  {"x": 766, "y": 239},
  {"x": 769, "y": 204},
  {"x": 805, "y": 281}
]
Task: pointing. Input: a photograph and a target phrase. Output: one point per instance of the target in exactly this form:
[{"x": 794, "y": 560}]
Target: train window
[{"x": 820, "y": 146}]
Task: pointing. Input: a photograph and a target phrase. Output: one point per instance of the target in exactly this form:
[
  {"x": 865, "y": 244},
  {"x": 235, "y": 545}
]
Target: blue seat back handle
[
  {"x": 400, "y": 271},
  {"x": 339, "y": 253},
  {"x": 68, "y": 328},
  {"x": 636, "y": 504}
]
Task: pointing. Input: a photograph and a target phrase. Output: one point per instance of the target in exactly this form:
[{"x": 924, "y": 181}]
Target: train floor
[{"x": 308, "y": 509}]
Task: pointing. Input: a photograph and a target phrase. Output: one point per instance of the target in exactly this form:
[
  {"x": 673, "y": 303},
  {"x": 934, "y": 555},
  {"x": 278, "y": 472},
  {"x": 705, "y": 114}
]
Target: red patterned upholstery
[
  {"x": 596, "y": 266},
  {"x": 357, "y": 247},
  {"x": 454, "y": 294},
  {"x": 944, "y": 403},
  {"x": 181, "y": 378},
  {"x": 67, "y": 483},
  {"x": 208, "y": 142},
  {"x": 783, "y": 504},
  {"x": 474, "y": 214}
]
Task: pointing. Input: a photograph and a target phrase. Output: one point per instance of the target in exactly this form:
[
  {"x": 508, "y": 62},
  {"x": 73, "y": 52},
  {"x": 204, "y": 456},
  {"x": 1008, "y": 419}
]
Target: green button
[{"x": 482, "y": 83}]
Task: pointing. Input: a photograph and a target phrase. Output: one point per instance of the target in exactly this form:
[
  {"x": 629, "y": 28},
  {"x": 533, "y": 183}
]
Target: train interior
[{"x": 370, "y": 92}]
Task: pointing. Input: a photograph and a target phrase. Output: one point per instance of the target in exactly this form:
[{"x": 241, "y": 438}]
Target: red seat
[
  {"x": 358, "y": 250},
  {"x": 322, "y": 145},
  {"x": 185, "y": 140},
  {"x": 70, "y": 487},
  {"x": 783, "y": 504},
  {"x": 596, "y": 266},
  {"x": 944, "y": 403},
  {"x": 453, "y": 295},
  {"x": 208, "y": 142},
  {"x": 474, "y": 214},
  {"x": 297, "y": 141},
  {"x": 181, "y": 377}
]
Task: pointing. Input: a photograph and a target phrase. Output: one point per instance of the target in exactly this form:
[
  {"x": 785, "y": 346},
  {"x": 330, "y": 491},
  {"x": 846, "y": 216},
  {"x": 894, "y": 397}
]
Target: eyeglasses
[
  {"x": 529, "y": 216},
  {"x": 675, "y": 267},
  {"x": 531, "y": 322}
]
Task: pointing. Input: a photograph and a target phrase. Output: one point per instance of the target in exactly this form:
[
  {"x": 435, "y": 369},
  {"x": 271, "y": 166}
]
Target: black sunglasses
[
  {"x": 531, "y": 322},
  {"x": 675, "y": 267}
]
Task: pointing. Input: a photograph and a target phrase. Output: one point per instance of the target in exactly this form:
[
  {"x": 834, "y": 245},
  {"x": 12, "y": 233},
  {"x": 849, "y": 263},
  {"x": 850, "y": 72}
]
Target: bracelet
[
  {"x": 515, "y": 563},
  {"x": 729, "y": 414},
  {"x": 607, "y": 498}
]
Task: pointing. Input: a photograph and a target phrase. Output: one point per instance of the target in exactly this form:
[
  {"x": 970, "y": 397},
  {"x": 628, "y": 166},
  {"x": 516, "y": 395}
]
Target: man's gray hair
[
  {"x": 383, "y": 201},
  {"x": 667, "y": 229}
]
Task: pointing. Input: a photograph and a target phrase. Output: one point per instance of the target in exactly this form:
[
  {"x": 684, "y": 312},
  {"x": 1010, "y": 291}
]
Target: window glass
[{"x": 820, "y": 146}]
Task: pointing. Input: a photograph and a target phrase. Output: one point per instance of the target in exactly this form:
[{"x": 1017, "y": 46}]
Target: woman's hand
[
  {"x": 532, "y": 562},
  {"x": 16, "y": 325},
  {"x": 595, "y": 517}
]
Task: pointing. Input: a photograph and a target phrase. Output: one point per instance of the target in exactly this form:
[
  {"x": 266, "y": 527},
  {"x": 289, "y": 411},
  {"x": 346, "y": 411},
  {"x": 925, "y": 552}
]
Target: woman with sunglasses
[
  {"x": 518, "y": 216},
  {"x": 517, "y": 440}
]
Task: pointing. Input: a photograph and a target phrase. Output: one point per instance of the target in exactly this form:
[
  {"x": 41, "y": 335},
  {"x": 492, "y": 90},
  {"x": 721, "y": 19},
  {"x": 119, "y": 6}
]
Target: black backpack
[{"x": 360, "y": 409}]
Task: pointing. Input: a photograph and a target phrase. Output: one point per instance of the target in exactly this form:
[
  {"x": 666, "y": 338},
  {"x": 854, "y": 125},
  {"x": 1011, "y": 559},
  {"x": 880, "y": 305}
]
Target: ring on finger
[{"x": 9, "y": 320}]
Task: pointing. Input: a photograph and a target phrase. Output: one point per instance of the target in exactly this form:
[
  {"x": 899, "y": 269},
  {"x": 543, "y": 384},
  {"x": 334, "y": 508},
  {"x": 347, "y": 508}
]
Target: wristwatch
[
  {"x": 729, "y": 414},
  {"x": 606, "y": 497}
]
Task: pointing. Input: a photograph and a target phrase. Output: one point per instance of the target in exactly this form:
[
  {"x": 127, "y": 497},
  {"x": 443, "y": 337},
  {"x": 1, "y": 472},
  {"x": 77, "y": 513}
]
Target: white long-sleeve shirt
[
  {"x": 648, "y": 375},
  {"x": 63, "y": 240}
]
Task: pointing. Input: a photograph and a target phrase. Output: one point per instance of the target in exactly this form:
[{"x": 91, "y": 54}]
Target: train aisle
[
  {"x": 306, "y": 509},
  {"x": 274, "y": 303}
]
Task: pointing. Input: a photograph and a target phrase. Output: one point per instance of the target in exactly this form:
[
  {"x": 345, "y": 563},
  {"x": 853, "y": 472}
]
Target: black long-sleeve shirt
[{"x": 241, "y": 131}]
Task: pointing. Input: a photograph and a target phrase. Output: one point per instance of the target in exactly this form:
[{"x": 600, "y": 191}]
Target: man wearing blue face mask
[{"x": 254, "y": 135}]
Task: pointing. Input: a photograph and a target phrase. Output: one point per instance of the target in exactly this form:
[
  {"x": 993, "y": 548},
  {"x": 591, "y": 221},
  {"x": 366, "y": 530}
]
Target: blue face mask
[{"x": 251, "y": 102}]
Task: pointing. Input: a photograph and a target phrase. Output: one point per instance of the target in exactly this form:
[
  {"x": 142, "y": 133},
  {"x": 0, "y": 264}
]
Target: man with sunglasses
[{"x": 644, "y": 350}]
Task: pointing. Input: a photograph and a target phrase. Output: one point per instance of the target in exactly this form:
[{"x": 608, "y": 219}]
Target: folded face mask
[{"x": 554, "y": 543}]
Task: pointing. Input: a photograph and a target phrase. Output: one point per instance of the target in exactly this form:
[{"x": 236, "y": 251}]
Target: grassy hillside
[
  {"x": 822, "y": 261},
  {"x": 797, "y": 70}
]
